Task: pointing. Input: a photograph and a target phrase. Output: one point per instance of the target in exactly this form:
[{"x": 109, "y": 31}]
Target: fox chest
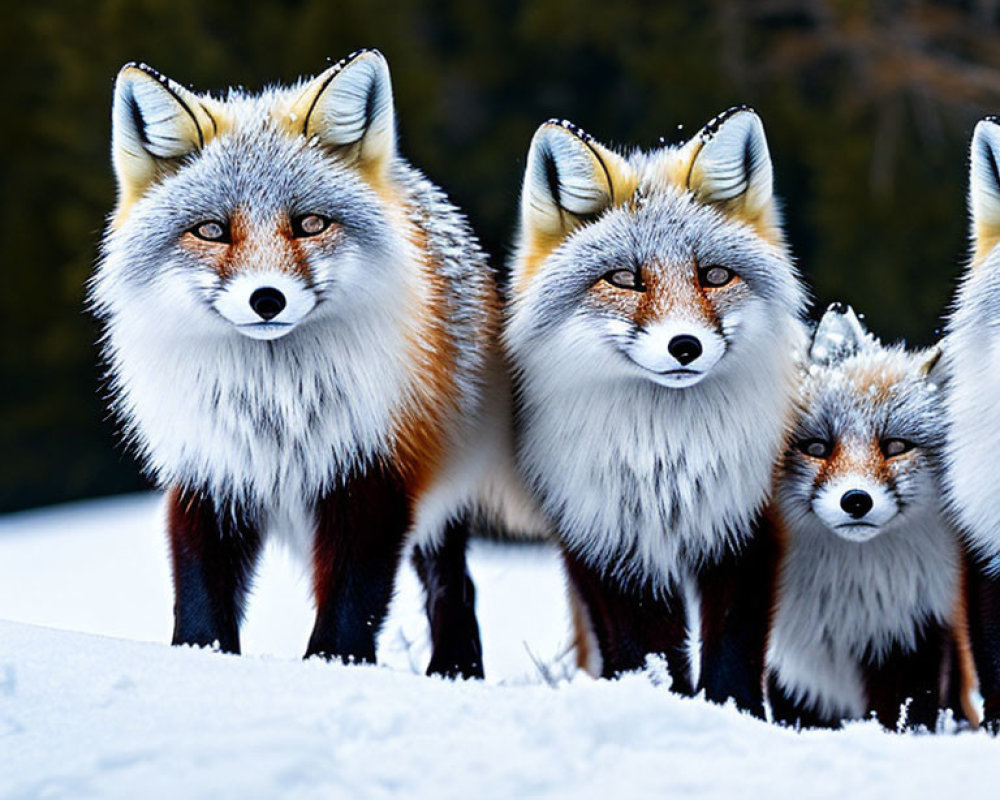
[
  {"x": 974, "y": 437},
  {"x": 842, "y": 604},
  {"x": 662, "y": 491},
  {"x": 258, "y": 422}
]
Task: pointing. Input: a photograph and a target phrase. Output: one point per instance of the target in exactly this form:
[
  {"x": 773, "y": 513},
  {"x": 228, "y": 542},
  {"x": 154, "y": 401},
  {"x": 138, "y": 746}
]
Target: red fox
[
  {"x": 973, "y": 360},
  {"x": 867, "y": 595},
  {"x": 300, "y": 336},
  {"x": 653, "y": 328}
]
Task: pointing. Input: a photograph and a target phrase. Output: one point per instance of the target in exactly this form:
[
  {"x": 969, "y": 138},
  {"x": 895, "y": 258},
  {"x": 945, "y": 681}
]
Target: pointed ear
[
  {"x": 154, "y": 122},
  {"x": 933, "y": 367},
  {"x": 838, "y": 335},
  {"x": 569, "y": 179},
  {"x": 349, "y": 109},
  {"x": 984, "y": 185},
  {"x": 732, "y": 168}
]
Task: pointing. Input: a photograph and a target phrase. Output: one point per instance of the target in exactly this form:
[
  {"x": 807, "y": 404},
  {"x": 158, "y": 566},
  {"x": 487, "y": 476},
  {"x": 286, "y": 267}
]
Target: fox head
[
  {"x": 864, "y": 451},
  {"x": 252, "y": 215},
  {"x": 655, "y": 265}
]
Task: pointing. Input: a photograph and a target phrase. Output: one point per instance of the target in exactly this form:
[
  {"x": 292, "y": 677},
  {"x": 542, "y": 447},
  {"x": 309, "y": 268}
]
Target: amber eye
[
  {"x": 895, "y": 447},
  {"x": 815, "y": 448},
  {"x": 624, "y": 279},
  {"x": 309, "y": 225},
  {"x": 715, "y": 276},
  {"x": 211, "y": 231}
]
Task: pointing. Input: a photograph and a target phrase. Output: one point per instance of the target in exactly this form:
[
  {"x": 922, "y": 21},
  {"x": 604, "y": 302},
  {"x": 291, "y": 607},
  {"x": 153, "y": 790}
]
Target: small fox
[
  {"x": 869, "y": 577},
  {"x": 972, "y": 355},
  {"x": 652, "y": 331},
  {"x": 300, "y": 332}
]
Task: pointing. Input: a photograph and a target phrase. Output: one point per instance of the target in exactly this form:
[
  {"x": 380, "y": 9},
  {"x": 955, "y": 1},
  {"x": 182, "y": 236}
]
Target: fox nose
[
  {"x": 685, "y": 348},
  {"x": 856, "y": 503},
  {"x": 267, "y": 303}
]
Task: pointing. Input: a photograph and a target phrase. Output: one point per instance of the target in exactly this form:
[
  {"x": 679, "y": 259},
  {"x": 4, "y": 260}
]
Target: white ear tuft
[
  {"x": 733, "y": 165},
  {"x": 349, "y": 108},
  {"x": 984, "y": 183},
  {"x": 566, "y": 179},
  {"x": 154, "y": 121},
  {"x": 839, "y": 335}
]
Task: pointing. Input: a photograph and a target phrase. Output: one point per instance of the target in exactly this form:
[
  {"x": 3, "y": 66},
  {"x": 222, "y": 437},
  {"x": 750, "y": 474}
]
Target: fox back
[
  {"x": 870, "y": 559},
  {"x": 285, "y": 297},
  {"x": 652, "y": 331}
]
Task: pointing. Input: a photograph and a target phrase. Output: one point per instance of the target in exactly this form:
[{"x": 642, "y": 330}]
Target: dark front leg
[
  {"x": 737, "y": 600},
  {"x": 983, "y": 599},
  {"x": 214, "y": 553},
  {"x": 910, "y": 679},
  {"x": 451, "y": 604},
  {"x": 361, "y": 526},
  {"x": 632, "y": 622},
  {"x": 786, "y": 711}
]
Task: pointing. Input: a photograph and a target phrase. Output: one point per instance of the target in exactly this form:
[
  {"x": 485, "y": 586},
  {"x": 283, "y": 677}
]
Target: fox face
[
  {"x": 653, "y": 266},
  {"x": 252, "y": 216},
  {"x": 863, "y": 456}
]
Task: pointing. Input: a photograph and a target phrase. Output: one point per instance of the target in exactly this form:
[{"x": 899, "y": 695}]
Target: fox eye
[
  {"x": 895, "y": 447},
  {"x": 815, "y": 448},
  {"x": 624, "y": 279},
  {"x": 211, "y": 231},
  {"x": 715, "y": 276},
  {"x": 309, "y": 225}
]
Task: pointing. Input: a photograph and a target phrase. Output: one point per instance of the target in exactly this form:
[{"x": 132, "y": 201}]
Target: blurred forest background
[{"x": 868, "y": 108}]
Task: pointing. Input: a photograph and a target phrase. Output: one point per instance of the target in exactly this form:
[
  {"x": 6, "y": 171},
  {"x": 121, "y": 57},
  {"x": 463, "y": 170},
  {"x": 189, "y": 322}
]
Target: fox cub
[
  {"x": 300, "y": 334},
  {"x": 972, "y": 352},
  {"x": 870, "y": 572},
  {"x": 653, "y": 326}
]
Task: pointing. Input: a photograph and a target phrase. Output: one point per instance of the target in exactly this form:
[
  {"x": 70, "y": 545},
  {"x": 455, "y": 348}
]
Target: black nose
[
  {"x": 856, "y": 503},
  {"x": 684, "y": 348},
  {"x": 267, "y": 303}
]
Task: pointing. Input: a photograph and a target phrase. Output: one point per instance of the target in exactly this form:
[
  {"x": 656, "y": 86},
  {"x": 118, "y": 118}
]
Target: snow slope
[{"x": 87, "y": 715}]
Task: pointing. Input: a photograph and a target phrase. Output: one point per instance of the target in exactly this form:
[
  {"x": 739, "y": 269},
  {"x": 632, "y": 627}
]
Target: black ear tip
[{"x": 837, "y": 307}]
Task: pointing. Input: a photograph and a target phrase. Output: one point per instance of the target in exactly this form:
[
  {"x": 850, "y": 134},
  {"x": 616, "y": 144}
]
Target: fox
[
  {"x": 300, "y": 333},
  {"x": 868, "y": 590},
  {"x": 653, "y": 323},
  {"x": 971, "y": 391}
]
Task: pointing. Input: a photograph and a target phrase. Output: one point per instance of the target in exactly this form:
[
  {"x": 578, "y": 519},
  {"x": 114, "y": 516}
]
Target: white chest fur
[
  {"x": 842, "y": 602},
  {"x": 251, "y": 420},
  {"x": 973, "y": 417},
  {"x": 646, "y": 478}
]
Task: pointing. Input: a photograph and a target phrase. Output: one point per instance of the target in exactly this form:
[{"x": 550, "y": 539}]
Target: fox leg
[
  {"x": 630, "y": 623},
  {"x": 911, "y": 679},
  {"x": 785, "y": 711},
  {"x": 737, "y": 598},
  {"x": 451, "y": 604},
  {"x": 213, "y": 557},
  {"x": 983, "y": 598},
  {"x": 360, "y": 529}
]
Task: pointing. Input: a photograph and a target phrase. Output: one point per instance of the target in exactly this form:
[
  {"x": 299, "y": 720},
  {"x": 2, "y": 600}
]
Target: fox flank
[
  {"x": 869, "y": 579},
  {"x": 295, "y": 316},
  {"x": 972, "y": 352},
  {"x": 652, "y": 331}
]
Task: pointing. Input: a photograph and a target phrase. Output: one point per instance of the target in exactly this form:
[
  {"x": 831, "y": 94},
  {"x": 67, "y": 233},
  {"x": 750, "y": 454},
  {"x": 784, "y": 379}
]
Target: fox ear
[
  {"x": 933, "y": 367},
  {"x": 984, "y": 185},
  {"x": 349, "y": 109},
  {"x": 838, "y": 335},
  {"x": 732, "y": 168},
  {"x": 154, "y": 122},
  {"x": 569, "y": 179}
]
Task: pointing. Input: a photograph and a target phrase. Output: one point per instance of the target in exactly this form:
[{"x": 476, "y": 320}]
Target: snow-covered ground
[{"x": 94, "y": 704}]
